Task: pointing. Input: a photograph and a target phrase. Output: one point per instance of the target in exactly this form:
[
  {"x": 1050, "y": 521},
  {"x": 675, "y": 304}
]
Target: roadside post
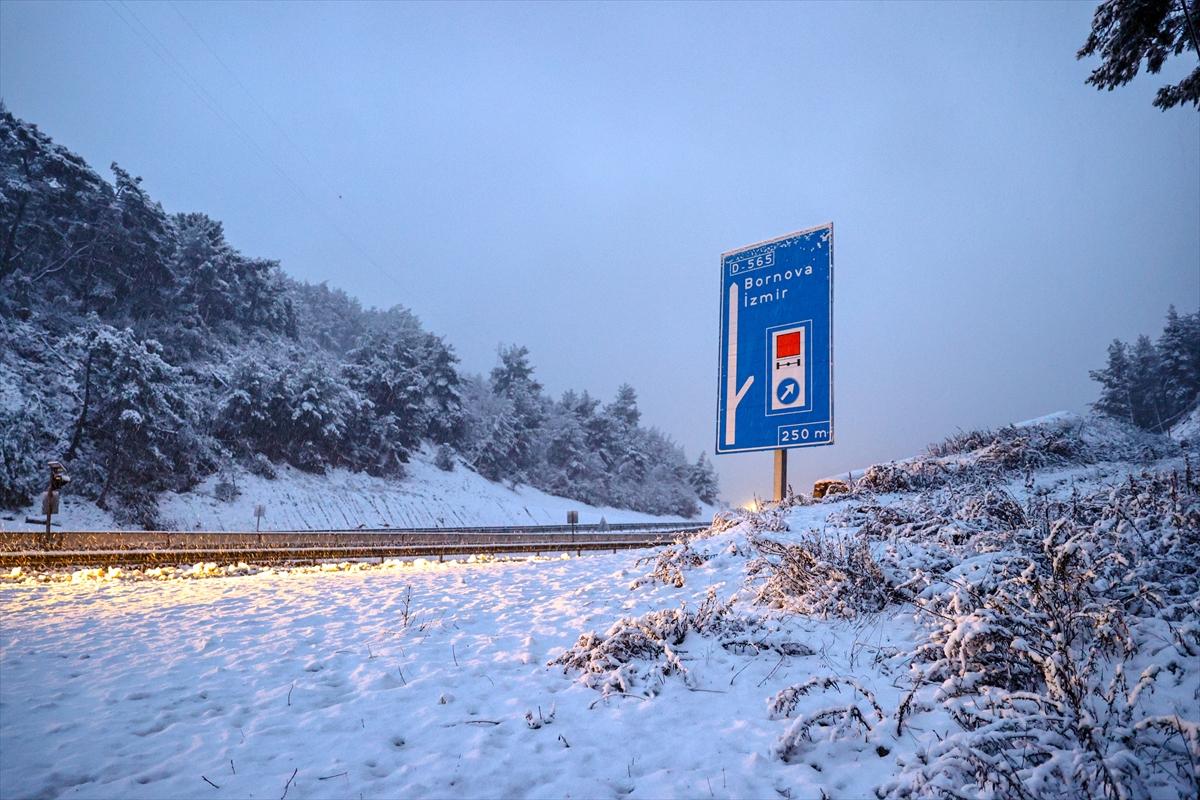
[
  {"x": 58, "y": 479},
  {"x": 573, "y": 520},
  {"x": 775, "y": 385},
  {"x": 260, "y": 511}
]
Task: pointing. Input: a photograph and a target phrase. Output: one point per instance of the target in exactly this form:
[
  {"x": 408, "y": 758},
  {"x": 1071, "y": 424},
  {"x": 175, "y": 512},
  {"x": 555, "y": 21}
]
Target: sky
[{"x": 566, "y": 176}]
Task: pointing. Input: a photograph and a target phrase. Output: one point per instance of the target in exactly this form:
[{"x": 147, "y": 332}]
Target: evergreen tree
[
  {"x": 572, "y": 468},
  {"x": 704, "y": 480},
  {"x": 624, "y": 407},
  {"x": 513, "y": 380},
  {"x": 1179, "y": 356},
  {"x": 490, "y": 434},
  {"x": 514, "y": 372},
  {"x": 136, "y": 423},
  {"x": 294, "y": 408},
  {"x": 1153, "y": 385},
  {"x": 49, "y": 202},
  {"x": 1145, "y": 386},
  {"x": 1115, "y": 399},
  {"x": 215, "y": 284},
  {"x": 1126, "y": 33}
]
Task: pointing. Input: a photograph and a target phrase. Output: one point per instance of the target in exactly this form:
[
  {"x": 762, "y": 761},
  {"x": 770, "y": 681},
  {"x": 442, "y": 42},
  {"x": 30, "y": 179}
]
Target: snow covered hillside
[
  {"x": 1015, "y": 613},
  {"x": 340, "y": 499}
]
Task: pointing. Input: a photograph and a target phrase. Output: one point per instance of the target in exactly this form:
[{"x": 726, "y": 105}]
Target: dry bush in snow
[
  {"x": 1029, "y": 654},
  {"x": 830, "y": 723},
  {"x": 639, "y": 653},
  {"x": 906, "y": 476},
  {"x": 669, "y": 564},
  {"x": 985, "y": 455},
  {"x": 819, "y": 574}
]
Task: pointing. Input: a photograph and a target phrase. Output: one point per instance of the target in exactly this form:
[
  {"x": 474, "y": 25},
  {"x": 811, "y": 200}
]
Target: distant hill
[{"x": 147, "y": 353}]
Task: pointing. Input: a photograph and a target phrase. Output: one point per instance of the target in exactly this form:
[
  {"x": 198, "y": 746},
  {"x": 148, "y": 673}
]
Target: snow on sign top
[{"x": 776, "y": 351}]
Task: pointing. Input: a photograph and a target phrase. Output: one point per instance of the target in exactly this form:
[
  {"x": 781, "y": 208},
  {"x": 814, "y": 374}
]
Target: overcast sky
[{"x": 567, "y": 176}]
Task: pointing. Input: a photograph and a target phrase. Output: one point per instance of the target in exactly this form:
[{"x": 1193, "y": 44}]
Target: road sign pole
[
  {"x": 48, "y": 505},
  {"x": 780, "y": 475}
]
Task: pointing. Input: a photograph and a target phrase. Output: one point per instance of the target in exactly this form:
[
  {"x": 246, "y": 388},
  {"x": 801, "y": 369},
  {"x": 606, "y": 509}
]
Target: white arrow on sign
[{"x": 733, "y": 395}]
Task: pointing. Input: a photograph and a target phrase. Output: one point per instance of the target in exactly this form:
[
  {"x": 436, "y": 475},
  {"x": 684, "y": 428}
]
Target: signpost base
[{"x": 780, "y": 475}]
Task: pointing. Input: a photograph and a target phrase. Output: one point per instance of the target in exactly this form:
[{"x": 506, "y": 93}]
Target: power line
[
  {"x": 229, "y": 70},
  {"x": 254, "y": 99},
  {"x": 214, "y": 106}
]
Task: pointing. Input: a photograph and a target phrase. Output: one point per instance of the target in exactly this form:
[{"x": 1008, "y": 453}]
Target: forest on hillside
[
  {"x": 1153, "y": 385},
  {"x": 145, "y": 352}
]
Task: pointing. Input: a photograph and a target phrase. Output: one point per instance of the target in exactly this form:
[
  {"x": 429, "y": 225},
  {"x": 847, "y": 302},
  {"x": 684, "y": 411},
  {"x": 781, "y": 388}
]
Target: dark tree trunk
[
  {"x": 102, "y": 500},
  {"x": 87, "y": 396}
]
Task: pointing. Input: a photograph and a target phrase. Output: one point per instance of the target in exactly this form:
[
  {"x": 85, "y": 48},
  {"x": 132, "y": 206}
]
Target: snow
[
  {"x": 115, "y": 688},
  {"x": 1188, "y": 429},
  {"x": 1057, "y": 416},
  {"x": 426, "y": 679},
  {"x": 340, "y": 499}
]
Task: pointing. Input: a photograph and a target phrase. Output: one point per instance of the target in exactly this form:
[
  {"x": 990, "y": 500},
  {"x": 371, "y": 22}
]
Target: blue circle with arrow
[{"x": 788, "y": 390}]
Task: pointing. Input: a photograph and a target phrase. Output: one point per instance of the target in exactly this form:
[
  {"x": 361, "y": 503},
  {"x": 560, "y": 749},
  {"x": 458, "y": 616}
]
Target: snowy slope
[
  {"x": 295, "y": 500},
  {"x": 471, "y": 679},
  {"x": 1188, "y": 429}
]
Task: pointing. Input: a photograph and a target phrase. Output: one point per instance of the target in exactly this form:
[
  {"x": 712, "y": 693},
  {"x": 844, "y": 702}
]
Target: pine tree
[
  {"x": 1153, "y": 385},
  {"x": 1179, "y": 356},
  {"x": 47, "y": 195},
  {"x": 1146, "y": 386},
  {"x": 513, "y": 380},
  {"x": 137, "y": 424},
  {"x": 572, "y": 469},
  {"x": 138, "y": 250},
  {"x": 489, "y": 435},
  {"x": 624, "y": 408},
  {"x": 216, "y": 284},
  {"x": 704, "y": 480},
  {"x": 1126, "y": 33},
  {"x": 1115, "y": 394}
]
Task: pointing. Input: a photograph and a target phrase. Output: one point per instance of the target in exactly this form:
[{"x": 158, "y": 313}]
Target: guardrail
[{"x": 86, "y": 548}]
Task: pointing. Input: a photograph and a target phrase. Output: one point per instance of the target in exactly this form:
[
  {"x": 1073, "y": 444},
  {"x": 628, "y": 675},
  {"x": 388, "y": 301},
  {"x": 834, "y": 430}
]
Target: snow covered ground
[
  {"x": 135, "y": 689},
  {"x": 340, "y": 499},
  {"x": 472, "y": 679}
]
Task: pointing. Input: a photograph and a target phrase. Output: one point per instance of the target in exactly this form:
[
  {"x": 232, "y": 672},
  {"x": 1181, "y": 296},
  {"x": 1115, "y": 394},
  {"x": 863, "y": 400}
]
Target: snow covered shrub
[
  {"x": 983, "y": 456},
  {"x": 723, "y": 520},
  {"x": 1019, "y": 448},
  {"x": 610, "y": 661},
  {"x": 961, "y": 442},
  {"x": 1029, "y": 655},
  {"x": 260, "y": 465},
  {"x": 641, "y": 652},
  {"x": 832, "y": 723},
  {"x": 772, "y": 519},
  {"x": 1150, "y": 527},
  {"x": 21, "y": 472},
  {"x": 444, "y": 460},
  {"x": 821, "y": 574},
  {"x": 226, "y": 489},
  {"x": 994, "y": 507},
  {"x": 1034, "y": 447},
  {"x": 669, "y": 564},
  {"x": 908, "y": 476}
]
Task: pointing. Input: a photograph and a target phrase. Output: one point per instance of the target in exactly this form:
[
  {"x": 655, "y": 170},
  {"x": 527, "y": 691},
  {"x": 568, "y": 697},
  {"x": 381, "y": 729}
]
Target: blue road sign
[{"x": 776, "y": 370}]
